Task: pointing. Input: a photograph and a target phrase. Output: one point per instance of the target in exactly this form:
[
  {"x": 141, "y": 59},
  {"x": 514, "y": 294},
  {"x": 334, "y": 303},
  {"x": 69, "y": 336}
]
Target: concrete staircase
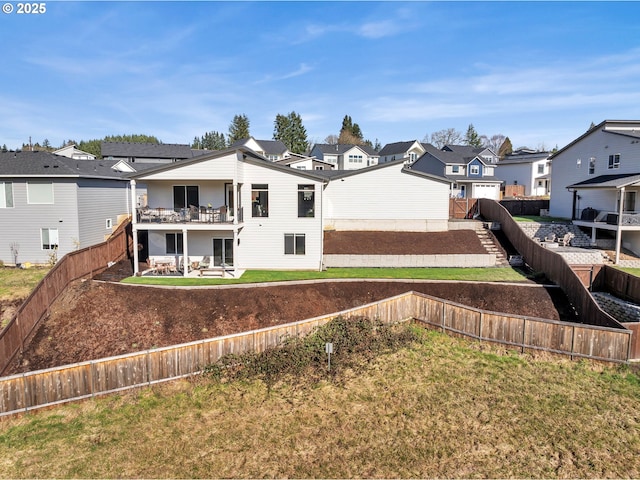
[{"x": 491, "y": 245}]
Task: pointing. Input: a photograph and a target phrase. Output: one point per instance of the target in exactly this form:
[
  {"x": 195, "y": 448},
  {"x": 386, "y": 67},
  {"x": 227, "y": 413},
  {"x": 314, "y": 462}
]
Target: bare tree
[
  {"x": 448, "y": 136},
  {"x": 331, "y": 139},
  {"x": 494, "y": 143}
]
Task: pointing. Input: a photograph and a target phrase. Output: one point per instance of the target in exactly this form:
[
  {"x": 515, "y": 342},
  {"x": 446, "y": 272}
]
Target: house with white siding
[
  {"x": 388, "y": 196},
  {"x": 595, "y": 181},
  {"x": 234, "y": 207},
  {"x": 235, "y": 210},
  {"x": 304, "y": 162},
  {"x": 527, "y": 169},
  {"x": 51, "y": 205},
  {"x": 71, "y": 151},
  {"x": 345, "y": 156},
  {"x": 408, "y": 151},
  {"x": 273, "y": 150}
]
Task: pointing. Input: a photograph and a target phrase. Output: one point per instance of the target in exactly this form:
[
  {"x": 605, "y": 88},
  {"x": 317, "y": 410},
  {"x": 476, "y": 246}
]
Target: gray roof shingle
[
  {"x": 146, "y": 150},
  {"x": 45, "y": 164}
]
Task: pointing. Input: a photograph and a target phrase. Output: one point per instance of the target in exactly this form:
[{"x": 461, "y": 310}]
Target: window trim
[
  {"x": 303, "y": 191},
  {"x": 178, "y": 243},
  {"x": 31, "y": 201},
  {"x": 592, "y": 166},
  {"x": 614, "y": 161},
  {"x": 294, "y": 248},
  {"x": 6, "y": 194},
  {"x": 474, "y": 169},
  {"x": 50, "y": 245},
  {"x": 257, "y": 205}
]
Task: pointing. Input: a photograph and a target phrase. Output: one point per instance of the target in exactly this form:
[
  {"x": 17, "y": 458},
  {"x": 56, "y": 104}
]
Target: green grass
[
  {"x": 537, "y": 218},
  {"x": 258, "y": 276},
  {"x": 18, "y": 283},
  {"x": 440, "y": 408},
  {"x": 631, "y": 271}
]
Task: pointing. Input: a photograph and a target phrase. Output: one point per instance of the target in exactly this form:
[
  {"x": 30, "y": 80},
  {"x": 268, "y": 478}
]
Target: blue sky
[{"x": 537, "y": 72}]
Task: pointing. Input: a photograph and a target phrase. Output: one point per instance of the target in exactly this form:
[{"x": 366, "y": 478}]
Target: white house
[
  {"x": 273, "y": 150},
  {"x": 388, "y": 196},
  {"x": 303, "y": 162},
  {"x": 233, "y": 206},
  {"x": 408, "y": 151},
  {"x": 529, "y": 169},
  {"x": 345, "y": 156},
  {"x": 71, "y": 151},
  {"x": 595, "y": 181}
]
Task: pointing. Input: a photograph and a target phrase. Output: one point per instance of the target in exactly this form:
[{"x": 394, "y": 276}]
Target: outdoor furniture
[
  {"x": 550, "y": 238},
  {"x": 566, "y": 240}
]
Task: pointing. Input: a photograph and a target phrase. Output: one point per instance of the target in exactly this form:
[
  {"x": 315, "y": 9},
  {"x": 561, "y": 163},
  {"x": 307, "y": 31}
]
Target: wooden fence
[
  {"x": 524, "y": 206},
  {"x": 619, "y": 283},
  {"x": 552, "y": 264},
  {"x": 83, "y": 263},
  {"x": 460, "y": 208},
  {"x": 24, "y": 392}
]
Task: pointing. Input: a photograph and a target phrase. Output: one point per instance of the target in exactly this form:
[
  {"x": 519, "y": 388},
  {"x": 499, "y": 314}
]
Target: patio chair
[
  {"x": 550, "y": 238},
  {"x": 566, "y": 240}
]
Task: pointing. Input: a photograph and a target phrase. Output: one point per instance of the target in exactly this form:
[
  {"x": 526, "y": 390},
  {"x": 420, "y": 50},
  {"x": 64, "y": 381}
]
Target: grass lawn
[
  {"x": 631, "y": 271},
  {"x": 443, "y": 407},
  {"x": 257, "y": 276},
  {"x": 18, "y": 283}
]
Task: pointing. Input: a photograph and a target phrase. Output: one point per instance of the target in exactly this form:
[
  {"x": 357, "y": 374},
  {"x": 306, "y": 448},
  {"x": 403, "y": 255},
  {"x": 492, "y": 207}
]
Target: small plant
[
  {"x": 14, "y": 251},
  {"x": 52, "y": 257}
]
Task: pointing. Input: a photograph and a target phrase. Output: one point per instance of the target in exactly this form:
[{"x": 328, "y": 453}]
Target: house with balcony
[
  {"x": 526, "y": 173},
  {"x": 231, "y": 210},
  {"x": 345, "y": 156},
  {"x": 595, "y": 181},
  {"x": 51, "y": 205},
  {"x": 469, "y": 176}
]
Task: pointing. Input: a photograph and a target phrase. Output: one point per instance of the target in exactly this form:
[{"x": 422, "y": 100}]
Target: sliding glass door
[{"x": 222, "y": 252}]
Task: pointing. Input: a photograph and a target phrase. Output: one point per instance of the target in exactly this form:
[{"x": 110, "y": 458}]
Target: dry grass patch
[{"x": 441, "y": 407}]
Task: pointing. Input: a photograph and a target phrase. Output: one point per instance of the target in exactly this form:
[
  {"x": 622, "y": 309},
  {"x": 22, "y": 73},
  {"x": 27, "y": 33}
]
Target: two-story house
[
  {"x": 408, "y": 151},
  {"x": 345, "y": 156},
  {"x": 486, "y": 154},
  {"x": 71, "y": 151},
  {"x": 595, "y": 181},
  {"x": 527, "y": 172},
  {"x": 304, "y": 162},
  {"x": 245, "y": 212},
  {"x": 469, "y": 176},
  {"x": 51, "y": 205}
]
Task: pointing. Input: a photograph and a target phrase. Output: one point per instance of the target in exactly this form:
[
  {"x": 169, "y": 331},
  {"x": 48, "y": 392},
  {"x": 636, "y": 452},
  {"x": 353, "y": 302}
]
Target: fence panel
[
  {"x": 503, "y": 328},
  {"x": 461, "y": 319},
  {"x": 601, "y": 344},
  {"x": 555, "y": 337}
]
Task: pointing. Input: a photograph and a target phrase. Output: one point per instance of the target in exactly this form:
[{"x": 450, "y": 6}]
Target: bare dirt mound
[
  {"x": 402, "y": 243},
  {"x": 93, "y": 320}
]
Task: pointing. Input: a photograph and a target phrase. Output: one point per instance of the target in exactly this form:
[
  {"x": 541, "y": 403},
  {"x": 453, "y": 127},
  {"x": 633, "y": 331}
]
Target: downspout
[
  {"x": 134, "y": 227},
  {"x": 324, "y": 185},
  {"x": 619, "y": 229}
]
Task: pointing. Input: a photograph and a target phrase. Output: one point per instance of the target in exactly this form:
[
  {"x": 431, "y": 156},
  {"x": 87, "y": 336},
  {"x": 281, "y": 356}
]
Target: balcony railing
[
  {"x": 610, "y": 218},
  {"x": 187, "y": 215}
]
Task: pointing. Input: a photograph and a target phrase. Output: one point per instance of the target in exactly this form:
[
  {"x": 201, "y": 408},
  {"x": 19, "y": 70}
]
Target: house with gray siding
[
  {"x": 51, "y": 205},
  {"x": 345, "y": 156}
]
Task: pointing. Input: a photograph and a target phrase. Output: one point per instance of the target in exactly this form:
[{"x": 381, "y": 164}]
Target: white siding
[
  {"x": 262, "y": 238},
  {"x": 565, "y": 170},
  {"x": 221, "y": 168},
  {"x": 385, "y": 196}
]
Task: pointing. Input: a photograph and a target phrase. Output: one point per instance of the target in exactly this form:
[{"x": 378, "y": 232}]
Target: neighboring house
[
  {"x": 388, "y": 196},
  {"x": 132, "y": 152},
  {"x": 303, "y": 162},
  {"x": 272, "y": 150},
  {"x": 244, "y": 212},
  {"x": 528, "y": 169},
  {"x": 71, "y": 151},
  {"x": 345, "y": 156},
  {"x": 486, "y": 154},
  {"x": 595, "y": 181},
  {"x": 408, "y": 151},
  {"x": 469, "y": 177},
  {"x": 52, "y": 205},
  {"x": 235, "y": 207}
]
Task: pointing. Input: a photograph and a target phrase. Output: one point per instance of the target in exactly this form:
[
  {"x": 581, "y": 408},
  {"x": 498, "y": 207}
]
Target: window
[
  {"x": 455, "y": 169},
  {"x": 39, "y": 193},
  {"x": 301, "y": 167},
  {"x": 614, "y": 161},
  {"x": 474, "y": 170},
  {"x": 540, "y": 169},
  {"x": 412, "y": 156},
  {"x": 355, "y": 158},
  {"x": 578, "y": 163},
  {"x": 294, "y": 243},
  {"x": 319, "y": 168},
  {"x": 592, "y": 165},
  {"x": 173, "y": 243},
  {"x": 185, "y": 196},
  {"x": 109, "y": 224},
  {"x": 6, "y": 195},
  {"x": 49, "y": 238},
  {"x": 306, "y": 201},
  {"x": 259, "y": 200}
]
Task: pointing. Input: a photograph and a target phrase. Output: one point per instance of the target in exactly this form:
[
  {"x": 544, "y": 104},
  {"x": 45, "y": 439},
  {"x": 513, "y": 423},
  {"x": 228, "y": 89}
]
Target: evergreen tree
[
  {"x": 506, "y": 148},
  {"x": 197, "y": 144},
  {"x": 472, "y": 138},
  {"x": 4, "y": 148},
  {"x": 350, "y": 133},
  {"x": 238, "y": 129},
  {"x": 290, "y": 131},
  {"x": 46, "y": 145}
]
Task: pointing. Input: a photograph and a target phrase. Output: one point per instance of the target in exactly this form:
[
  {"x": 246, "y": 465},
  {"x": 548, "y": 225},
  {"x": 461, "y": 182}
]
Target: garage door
[{"x": 489, "y": 190}]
